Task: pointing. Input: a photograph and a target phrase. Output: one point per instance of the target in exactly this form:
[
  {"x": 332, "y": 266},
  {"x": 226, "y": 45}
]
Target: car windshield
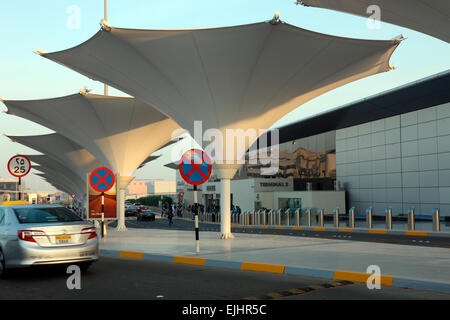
[{"x": 45, "y": 215}]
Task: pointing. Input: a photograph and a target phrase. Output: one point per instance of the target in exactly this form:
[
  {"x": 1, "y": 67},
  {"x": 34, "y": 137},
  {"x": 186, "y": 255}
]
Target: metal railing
[{"x": 310, "y": 216}]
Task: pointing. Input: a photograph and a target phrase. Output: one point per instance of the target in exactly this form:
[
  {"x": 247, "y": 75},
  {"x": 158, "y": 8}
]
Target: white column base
[
  {"x": 121, "y": 228},
  {"x": 224, "y": 236}
]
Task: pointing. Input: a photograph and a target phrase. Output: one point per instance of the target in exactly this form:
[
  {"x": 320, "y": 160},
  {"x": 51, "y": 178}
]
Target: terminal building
[{"x": 388, "y": 150}]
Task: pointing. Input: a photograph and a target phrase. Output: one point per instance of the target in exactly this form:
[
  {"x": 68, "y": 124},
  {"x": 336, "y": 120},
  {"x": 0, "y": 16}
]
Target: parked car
[
  {"x": 45, "y": 234},
  {"x": 140, "y": 208},
  {"x": 130, "y": 212},
  {"x": 146, "y": 215}
]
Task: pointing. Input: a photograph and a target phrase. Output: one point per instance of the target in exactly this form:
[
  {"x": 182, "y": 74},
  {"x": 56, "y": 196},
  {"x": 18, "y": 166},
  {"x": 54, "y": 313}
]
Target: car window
[
  {"x": 45, "y": 215},
  {"x": 2, "y": 216}
]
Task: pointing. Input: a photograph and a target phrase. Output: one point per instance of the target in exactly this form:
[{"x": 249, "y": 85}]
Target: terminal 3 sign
[{"x": 274, "y": 185}]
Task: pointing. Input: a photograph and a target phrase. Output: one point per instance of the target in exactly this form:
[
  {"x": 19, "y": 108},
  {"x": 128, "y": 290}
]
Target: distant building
[
  {"x": 142, "y": 188},
  {"x": 8, "y": 189}
]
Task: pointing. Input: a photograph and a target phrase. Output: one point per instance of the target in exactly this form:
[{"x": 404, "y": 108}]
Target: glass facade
[{"x": 308, "y": 160}]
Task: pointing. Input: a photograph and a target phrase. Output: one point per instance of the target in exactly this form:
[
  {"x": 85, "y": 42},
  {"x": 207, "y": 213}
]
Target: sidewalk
[{"x": 412, "y": 262}]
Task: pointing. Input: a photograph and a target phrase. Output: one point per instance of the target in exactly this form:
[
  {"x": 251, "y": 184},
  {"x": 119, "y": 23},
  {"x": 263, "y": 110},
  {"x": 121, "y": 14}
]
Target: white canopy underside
[
  {"x": 119, "y": 132},
  {"x": 243, "y": 77},
  {"x": 431, "y": 16},
  {"x": 53, "y": 177},
  {"x": 62, "y": 186},
  {"x": 67, "y": 152},
  {"x": 64, "y": 150},
  {"x": 51, "y": 165}
]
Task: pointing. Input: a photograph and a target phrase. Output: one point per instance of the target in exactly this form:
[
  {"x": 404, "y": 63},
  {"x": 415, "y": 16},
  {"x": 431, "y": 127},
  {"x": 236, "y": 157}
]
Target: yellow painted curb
[
  {"x": 264, "y": 227},
  {"x": 319, "y": 229},
  {"x": 189, "y": 260},
  {"x": 297, "y": 228},
  {"x": 264, "y": 267},
  {"x": 345, "y": 230},
  {"x": 361, "y": 277},
  {"x": 131, "y": 255},
  {"x": 378, "y": 231},
  {"x": 416, "y": 233},
  {"x": 279, "y": 228}
]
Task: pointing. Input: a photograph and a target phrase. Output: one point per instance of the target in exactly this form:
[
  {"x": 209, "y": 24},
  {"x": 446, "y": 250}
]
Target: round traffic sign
[
  {"x": 102, "y": 179},
  {"x": 19, "y": 166},
  {"x": 195, "y": 167}
]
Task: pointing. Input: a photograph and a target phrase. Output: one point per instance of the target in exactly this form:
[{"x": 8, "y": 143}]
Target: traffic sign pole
[
  {"x": 197, "y": 235},
  {"x": 195, "y": 168},
  {"x": 20, "y": 188},
  {"x": 103, "y": 214}
]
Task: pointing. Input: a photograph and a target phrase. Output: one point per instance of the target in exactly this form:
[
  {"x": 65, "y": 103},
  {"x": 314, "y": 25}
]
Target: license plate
[{"x": 63, "y": 239}]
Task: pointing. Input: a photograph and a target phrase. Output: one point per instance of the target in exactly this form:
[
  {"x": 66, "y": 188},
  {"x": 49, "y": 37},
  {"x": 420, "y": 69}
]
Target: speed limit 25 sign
[{"x": 19, "y": 166}]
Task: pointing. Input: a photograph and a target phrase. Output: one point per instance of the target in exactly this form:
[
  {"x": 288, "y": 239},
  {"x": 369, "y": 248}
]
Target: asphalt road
[
  {"x": 181, "y": 224},
  {"x": 115, "y": 278}
]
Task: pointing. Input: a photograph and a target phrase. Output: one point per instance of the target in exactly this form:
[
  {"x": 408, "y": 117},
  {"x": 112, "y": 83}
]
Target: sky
[{"x": 52, "y": 25}]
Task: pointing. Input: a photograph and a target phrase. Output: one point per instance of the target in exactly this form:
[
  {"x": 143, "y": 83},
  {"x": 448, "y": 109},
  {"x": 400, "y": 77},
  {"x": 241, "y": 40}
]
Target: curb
[
  {"x": 349, "y": 230},
  {"x": 386, "y": 280}
]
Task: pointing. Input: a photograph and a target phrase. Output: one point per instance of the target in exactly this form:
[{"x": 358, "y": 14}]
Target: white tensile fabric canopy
[
  {"x": 242, "y": 77},
  {"x": 59, "y": 183},
  {"x": 64, "y": 150},
  {"x": 50, "y": 165},
  {"x": 431, "y": 16},
  {"x": 120, "y": 132}
]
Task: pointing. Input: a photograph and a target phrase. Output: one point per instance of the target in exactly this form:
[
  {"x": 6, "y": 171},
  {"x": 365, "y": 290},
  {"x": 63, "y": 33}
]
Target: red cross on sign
[
  {"x": 102, "y": 179},
  {"x": 195, "y": 167}
]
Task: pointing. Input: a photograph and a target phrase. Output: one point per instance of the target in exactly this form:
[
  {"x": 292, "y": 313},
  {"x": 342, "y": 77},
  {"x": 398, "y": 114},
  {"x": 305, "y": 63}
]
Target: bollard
[
  {"x": 321, "y": 213},
  {"x": 297, "y": 217},
  {"x": 411, "y": 222},
  {"x": 369, "y": 218},
  {"x": 351, "y": 218},
  {"x": 279, "y": 217},
  {"x": 263, "y": 217},
  {"x": 336, "y": 218},
  {"x": 308, "y": 217},
  {"x": 287, "y": 213},
  {"x": 436, "y": 220},
  {"x": 389, "y": 218}
]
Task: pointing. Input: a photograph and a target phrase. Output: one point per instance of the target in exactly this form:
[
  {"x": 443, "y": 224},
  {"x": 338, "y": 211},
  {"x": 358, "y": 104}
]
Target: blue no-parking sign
[
  {"x": 102, "y": 179},
  {"x": 195, "y": 167}
]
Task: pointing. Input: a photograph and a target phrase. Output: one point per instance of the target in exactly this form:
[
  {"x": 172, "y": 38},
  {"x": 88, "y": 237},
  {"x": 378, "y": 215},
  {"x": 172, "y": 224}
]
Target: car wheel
[{"x": 2, "y": 265}]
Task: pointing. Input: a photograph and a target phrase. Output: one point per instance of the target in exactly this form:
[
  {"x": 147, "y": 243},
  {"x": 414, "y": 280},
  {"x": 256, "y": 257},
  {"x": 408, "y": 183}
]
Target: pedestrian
[{"x": 170, "y": 215}]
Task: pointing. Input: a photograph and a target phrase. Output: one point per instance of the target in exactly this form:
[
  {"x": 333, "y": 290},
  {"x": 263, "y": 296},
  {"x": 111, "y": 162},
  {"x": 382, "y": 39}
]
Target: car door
[{"x": 3, "y": 235}]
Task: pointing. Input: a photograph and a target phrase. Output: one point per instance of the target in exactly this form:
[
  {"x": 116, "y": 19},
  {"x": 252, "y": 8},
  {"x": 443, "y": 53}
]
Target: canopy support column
[
  {"x": 122, "y": 184},
  {"x": 225, "y": 172}
]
